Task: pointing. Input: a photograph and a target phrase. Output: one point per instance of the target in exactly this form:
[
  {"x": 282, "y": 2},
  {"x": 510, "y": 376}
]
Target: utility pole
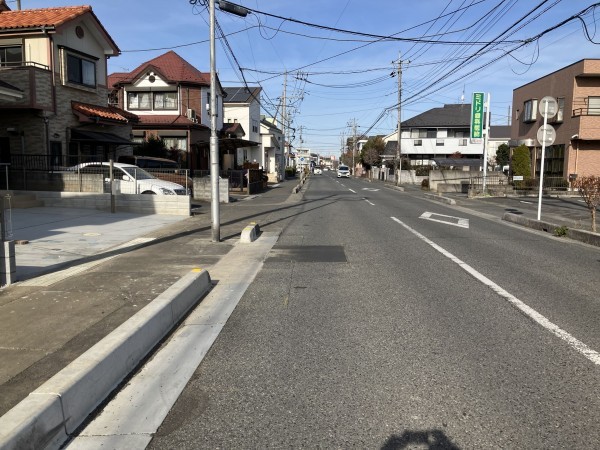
[
  {"x": 214, "y": 140},
  {"x": 399, "y": 131},
  {"x": 286, "y": 153},
  {"x": 353, "y": 125}
]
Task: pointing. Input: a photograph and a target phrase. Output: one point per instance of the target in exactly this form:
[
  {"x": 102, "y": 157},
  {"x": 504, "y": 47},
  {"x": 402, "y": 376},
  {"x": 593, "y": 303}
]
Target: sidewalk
[{"x": 84, "y": 272}]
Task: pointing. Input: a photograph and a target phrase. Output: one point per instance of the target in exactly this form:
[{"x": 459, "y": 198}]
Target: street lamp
[{"x": 214, "y": 141}]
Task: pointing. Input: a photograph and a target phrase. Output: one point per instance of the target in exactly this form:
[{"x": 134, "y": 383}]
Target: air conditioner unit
[{"x": 191, "y": 114}]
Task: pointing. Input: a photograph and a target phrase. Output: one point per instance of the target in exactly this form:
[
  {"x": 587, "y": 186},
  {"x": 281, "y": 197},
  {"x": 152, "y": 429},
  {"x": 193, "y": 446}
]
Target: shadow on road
[{"x": 431, "y": 439}]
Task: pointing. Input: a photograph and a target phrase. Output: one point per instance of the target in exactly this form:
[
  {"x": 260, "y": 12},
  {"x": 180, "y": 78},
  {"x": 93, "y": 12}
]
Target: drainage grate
[{"x": 307, "y": 253}]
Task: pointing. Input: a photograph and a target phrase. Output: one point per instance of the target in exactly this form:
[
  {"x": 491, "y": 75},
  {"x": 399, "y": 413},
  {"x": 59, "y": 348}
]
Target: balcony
[{"x": 33, "y": 83}]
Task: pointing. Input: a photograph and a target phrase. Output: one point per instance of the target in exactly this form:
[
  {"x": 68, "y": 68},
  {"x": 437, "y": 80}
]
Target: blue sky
[{"x": 336, "y": 78}]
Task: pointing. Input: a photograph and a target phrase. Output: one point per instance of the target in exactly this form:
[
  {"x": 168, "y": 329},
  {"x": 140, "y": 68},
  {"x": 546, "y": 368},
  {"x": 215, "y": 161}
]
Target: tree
[
  {"x": 503, "y": 155},
  {"x": 372, "y": 151},
  {"x": 153, "y": 146},
  {"x": 456, "y": 155},
  {"x": 521, "y": 161},
  {"x": 589, "y": 189}
]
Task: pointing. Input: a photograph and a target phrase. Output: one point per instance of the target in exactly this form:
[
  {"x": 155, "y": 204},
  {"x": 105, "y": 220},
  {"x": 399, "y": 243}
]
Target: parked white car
[{"x": 130, "y": 179}]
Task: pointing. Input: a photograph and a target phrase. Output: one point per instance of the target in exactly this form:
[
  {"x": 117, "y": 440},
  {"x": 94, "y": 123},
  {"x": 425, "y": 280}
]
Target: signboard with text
[{"x": 477, "y": 116}]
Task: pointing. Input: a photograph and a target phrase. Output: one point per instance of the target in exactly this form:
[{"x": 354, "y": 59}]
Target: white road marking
[
  {"x": 351, "y": 190},
  {"x": 523, "y": 201},
  {"x": 448, "y": 220},
  {"x": 574, "y": 343},
  {"x": 372, "y": 204},
  {"x": 370, "y": 189}
]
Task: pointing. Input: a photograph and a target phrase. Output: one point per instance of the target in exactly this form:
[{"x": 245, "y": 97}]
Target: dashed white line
[
  {"x": 573, "y": 342},
  {"x": 370, "y": 203},
  {"x": 523, "y": 201},
  {"x": 351, "y": 190}
]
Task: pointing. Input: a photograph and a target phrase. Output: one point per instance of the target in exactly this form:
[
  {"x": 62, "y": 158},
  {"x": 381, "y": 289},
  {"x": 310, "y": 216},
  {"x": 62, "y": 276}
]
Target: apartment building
[{"x": 576, "y": 149}]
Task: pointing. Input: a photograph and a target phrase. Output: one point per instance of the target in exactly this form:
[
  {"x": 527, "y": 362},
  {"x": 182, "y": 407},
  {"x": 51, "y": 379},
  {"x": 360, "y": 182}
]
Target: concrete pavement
[{"x": 84, "y": 274}]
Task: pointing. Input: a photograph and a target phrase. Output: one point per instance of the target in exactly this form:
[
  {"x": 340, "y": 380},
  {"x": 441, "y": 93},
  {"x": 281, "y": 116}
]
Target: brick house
[
  {"x": 172, "y": 100},
  {"x": 576, "y": 149},
  {"x": 53, "y": 90}
]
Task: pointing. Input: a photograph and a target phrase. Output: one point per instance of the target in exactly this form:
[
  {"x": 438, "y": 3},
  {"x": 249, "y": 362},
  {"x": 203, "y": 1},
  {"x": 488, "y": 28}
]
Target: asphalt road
[{"x": 383, "y": 320}]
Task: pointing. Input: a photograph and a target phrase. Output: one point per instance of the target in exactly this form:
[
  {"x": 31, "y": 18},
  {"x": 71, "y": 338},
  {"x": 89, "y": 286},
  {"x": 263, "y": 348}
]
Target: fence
[
  {"x": 66, "y": 173},
  {"x": 501, "y": 184}
]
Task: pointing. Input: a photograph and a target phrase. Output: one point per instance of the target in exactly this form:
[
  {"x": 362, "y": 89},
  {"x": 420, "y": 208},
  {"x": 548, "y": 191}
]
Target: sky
[{"x": 338, "y": 59}]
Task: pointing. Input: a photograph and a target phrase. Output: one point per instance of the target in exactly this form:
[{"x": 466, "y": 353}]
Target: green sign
[{"x": 477, "y": 116}]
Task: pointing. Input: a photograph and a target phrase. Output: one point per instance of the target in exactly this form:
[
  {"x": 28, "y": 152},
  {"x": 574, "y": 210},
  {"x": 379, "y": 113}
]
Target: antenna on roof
[{"x": 462, "y": 97}]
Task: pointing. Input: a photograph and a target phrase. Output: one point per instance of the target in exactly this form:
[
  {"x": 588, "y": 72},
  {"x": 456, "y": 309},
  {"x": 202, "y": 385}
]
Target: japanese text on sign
[{"x": 477, "y": 116}]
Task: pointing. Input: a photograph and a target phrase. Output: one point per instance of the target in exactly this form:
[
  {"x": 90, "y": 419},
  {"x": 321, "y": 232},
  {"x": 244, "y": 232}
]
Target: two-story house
[
  {"x": 53, "y": 89},
  {"x": 437, "y": 134},
  {"x": 271, "y": 138},
  {"x": 242, "y": 106},
  {"x": 576, "y": 149},
  {"x": 172, "y": 100}
]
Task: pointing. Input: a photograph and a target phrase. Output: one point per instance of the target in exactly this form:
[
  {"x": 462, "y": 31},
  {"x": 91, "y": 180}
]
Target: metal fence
[{"x": 525, "y": 186}]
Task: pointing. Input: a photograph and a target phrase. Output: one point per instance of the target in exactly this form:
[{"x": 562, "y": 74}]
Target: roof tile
[{"x": 45, "y": 17}]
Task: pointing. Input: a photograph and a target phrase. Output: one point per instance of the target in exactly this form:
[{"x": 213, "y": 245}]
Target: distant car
[
  {"x": 317, "y": 170},
  {"x": 325, "y": 169},
  {"x": 131, "y": 179},
  {"x": 343, "y": 171}
]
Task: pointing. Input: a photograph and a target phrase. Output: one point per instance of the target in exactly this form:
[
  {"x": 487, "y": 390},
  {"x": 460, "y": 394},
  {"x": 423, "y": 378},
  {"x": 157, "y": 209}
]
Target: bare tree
[{"x": 589, "y": 189}]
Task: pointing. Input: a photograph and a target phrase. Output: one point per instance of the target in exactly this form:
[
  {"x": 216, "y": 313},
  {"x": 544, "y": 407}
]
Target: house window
[
  {"x": 418, "y": 143},
  {"x": 11, "y": 55},
  {"x": 439, "y": 142},
  {"x": 561, "y": 110},
  {"x": 462, "y": 142},
  {"x": 530, "y": 110},
  {"x": 594, "y": 106},
  {"x": 81, "y": 71},
  {"x": 431, "y": 133},
  {"x": 179, "y": 143},
  {"x": 255, "y": 126},
  {"x": 165, "y": 100},
  {"x": 138, "y": 100}
]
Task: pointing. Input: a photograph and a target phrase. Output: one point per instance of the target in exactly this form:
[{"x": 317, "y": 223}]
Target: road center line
[
  {"x": 370, "y": 203},
  {"x": 351, "y": 190},
  {"x": 574, "y": 343}
]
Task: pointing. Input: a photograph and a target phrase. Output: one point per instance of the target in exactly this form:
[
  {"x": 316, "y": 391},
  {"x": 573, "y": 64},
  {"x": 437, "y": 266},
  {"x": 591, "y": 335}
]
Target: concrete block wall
[
  {"x": 176, "y": 205},
  {"x": 203, "y": 191}
]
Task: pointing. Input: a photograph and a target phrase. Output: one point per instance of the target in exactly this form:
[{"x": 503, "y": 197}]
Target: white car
[
  {"x": 317, "y": 170},
  {"x": 130, "y": 179},
  {"x": 343, "y": 171}
]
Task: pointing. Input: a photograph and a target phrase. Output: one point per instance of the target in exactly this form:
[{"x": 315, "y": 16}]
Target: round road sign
[
  {"x": 552, "y": 105},
  {"x": 546, "y": 135}
]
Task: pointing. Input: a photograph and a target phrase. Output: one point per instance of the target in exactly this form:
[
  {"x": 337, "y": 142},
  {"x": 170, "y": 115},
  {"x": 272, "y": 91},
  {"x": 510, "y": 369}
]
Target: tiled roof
[
  {"x": 162, "y": 120},
  {"x": 234, "y": 128},
  {"x": 115, "y": 78},
  {"x": 104, "y": 112},
  {"x": 45, "y": 17},
  {"x": 458, "y": 115},
  {"x": 173, "y": 68}
]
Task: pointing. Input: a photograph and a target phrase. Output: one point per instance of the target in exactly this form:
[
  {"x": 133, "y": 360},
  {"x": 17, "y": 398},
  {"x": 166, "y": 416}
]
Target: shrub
[
  {"x": 425, "y": 184},
  {"x": 561, "y": 231}
]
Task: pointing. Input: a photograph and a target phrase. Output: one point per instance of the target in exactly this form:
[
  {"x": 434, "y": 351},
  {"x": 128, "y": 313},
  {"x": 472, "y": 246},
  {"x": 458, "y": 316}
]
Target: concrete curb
[
  {"x": 47, "y": 417},
  {"x": 439, "y": 198},
  {"x": 250, "y": 233},
  {"x": 298, "y": 187},
  {"x": 578, "y": 235}
]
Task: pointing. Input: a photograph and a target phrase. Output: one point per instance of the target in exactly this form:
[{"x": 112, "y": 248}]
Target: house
[
  {"x": 53, "y": 89},
  {"x": 437, "y": 134},
  {"x": 242, "y": 106},
  {"x": 271, "y": 139},
  {"x": 172, "y": 100},
  {"x": 576, "y": 148}
]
